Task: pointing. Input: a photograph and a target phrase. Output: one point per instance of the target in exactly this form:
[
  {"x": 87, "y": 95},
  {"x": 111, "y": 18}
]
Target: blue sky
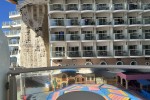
[{"x": 5, "y": 8}]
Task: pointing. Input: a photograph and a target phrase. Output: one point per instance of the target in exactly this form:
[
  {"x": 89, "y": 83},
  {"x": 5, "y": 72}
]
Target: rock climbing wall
[{"x": 34, "y": 40}]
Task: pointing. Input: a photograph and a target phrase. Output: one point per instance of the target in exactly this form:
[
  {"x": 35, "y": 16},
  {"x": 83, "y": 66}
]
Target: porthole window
[
  {"x": 88, "y": 63},
  {"x": 103, "y": 63},
  {"x": 133, "y": 63},
  {"x": 119, "y": 63},
  {"x": 147, "y": 63}
]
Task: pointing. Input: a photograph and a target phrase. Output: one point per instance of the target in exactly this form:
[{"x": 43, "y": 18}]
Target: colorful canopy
[
  {"x": 13, "y": 1},
  {"x": 107, "y": 91}
]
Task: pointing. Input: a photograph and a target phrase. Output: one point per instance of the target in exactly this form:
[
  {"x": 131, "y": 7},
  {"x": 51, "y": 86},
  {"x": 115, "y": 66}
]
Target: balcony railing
[
  {"x": 58, "y": 53},
  {"x": 102, "y": 7},
  {"x": 88, "y": 22},
  {"x": 88, "y": 36},
  {"x": 56, "y": 7},
  {"x": 120, "y": 53},
  {"x": 57, "y": 22},
  {"x": 147, "y": 52},
  {"x": 134, "y": 6},
  {"x": 134, "y": 52},
  {"x": 88, "y": 53},
  {"x": 74, "y": 54},
  {"x": 103, "y": 37},
  {"x": 74, "y": 37},
  {"x": 147, "y": 35},
  {"x": 14, "y": 42},
  {"x": 16, "y": 22},
  {"x": 102, "y": 53},
  {"x": 72, "y": 22},
  {"x": 13, "y": 32},
  {"x": 135, "y": 36},
  {"x": 146, "y": 20},
  {"x": 119, "y": 21},
  {"x": 72, "y": 7},
  {"x": 58, "y": 37},
  {"x": 103, "y": 21},
  {"x": 119, "y": 7},
  {"x": 87, "y": 7},
  {"x": 14, "y": 52},
  {"x": 146, "y": 6},
  {"x": 13, "y": 13},
  {"x": 132, "y": 21},
  {"x": 119, "y": 36}
]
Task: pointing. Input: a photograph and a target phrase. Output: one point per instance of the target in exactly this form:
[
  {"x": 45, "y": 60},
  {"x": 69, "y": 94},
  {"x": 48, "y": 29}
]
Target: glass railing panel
[
  {"x": 74, "y": 37},
  {"x": 146, "y": 20},
  {"x": 102, "y": 7},
  {"x": 56, "y": 7},
  {"x": 120, "y": 21},
  {"x": 57, "y": 22},
  {"x": 12, "y": 13},
  {"x": 135, "y": 36},
  {"x": 58, "y": 37},
  {"x": 147, "y": 52},
  {"x": 88, "y": 36},
  {"x": 103, "y": 21},
  {"x": 103, "y": 37},
  {"x": 146, "y": 6},
  {"x": 119, "y": 36},
  {"x": 119, "y": 7},
  {"x": 132, "y": 21},
  {"x": 134, "y": 52},
  {"x": 87, "y": 22},
  {"x": 147, "y": 35},
  {"x": 72, "y": 22},
  {"x": 58, "y": 53},
  {"x": 72, "y": 7},
  {"x": 14, "y": 52},
  {"x": 88, "y": 53},
  {"x": 74, "y": 53},
  {"x": 120, "y": 53},
  {"x": 102, "y": 53},
  {"x": 134, "y": 6},
  {"x": 87, "y": 7}
]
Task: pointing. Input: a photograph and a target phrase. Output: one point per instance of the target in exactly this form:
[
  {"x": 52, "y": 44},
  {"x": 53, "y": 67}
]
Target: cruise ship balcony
[
  {"x": 88, "y": 53},
  {"x": 87, "y": 36},
  {"x": 120, "y": 21},
  {"x": 87, "y": 7},
  {"x": 74, "y": 54},
  {"x": 119, "y": 36},
  {"x": 87, "y": 22},
  {"x": 56, "y": 8},
  {"x": 54, "y": 23},
  {"x": 135, "y": 36},
  {"x": 14, "y": 15},
  {"x": 120, "y": 53},
  {"x": 13, "y": 42},
  {"x": 11, "y": 24},
  {"x": 134, "y": 7},
  {"x": 72, "y": 23},
  {"x": 119, "y": 7},
  {"x": 146, "y": 7},
  {"x": 134, "y": 21},
  {"x": 103, "y": 22},
  {"x": 102, "y": 7},
  {"x": 146, "y": 21},
  {"x": 57, "y": 37},
  {"x": 73, "y": 37},
  {"x": 12, "y": 33},
  {"x": 58, "y": 54},
  {"x": 72, "y": 7},
  {"x": 147, "y": 52},
  {"x": 103, "y": 37},
  {"x": 147, "y": 35},
  {"x": 13, "y": 53},
  {"x": 134, "y": 52},
  {"x": 102, "y": 53}
]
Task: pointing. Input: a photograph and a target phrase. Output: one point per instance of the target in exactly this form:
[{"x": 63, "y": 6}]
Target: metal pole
[{"x": 13, "y": 88}]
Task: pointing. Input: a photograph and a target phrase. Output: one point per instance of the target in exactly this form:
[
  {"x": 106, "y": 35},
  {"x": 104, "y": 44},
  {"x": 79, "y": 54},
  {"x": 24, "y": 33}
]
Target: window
[
  {"x": 118, "y": 31},
  {"x": 73, "y": 48},
  {"x": 133, "y": 47},
  {"x": 101, "y": 32},
  {"x": 147, "y": 63},
  {"x": 133, "y": 63},
  {"x": 118, "y": 47},
  {"x": 59, "y": 48},
  {"x": 88, "y": 63},
  {"x": 101, "y": 47},
  {"x": 119, "y": 63},
  {"x": 103, "y": 63},
  {"x": 146, "y": 46},
  {"x": 87, "y": 48}
]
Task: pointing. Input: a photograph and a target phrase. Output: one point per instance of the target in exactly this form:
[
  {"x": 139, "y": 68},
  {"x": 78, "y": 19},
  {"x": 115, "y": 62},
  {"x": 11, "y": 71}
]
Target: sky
[{"x": 5, "y": 8}]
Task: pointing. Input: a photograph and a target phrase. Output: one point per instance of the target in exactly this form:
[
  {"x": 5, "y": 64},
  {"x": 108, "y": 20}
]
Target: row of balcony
[
  {"x": 10, "y": 23},
  {"x": 76, "y": 37},
  {"x": 117, "y": 21},
  {"x": 117, "y": 6},
  {"x": 100, "y": 53},
  {"x": 12, "y": 32}
]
